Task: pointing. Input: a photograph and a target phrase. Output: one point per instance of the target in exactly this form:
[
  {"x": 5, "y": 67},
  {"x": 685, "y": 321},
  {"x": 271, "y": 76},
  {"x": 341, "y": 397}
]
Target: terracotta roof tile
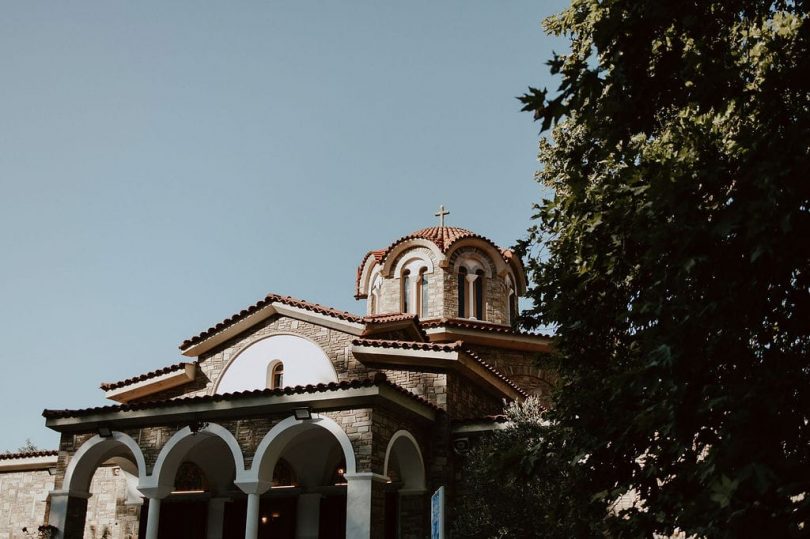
[
  {"x": 378, "y": 380},
  {"x": 29, "y": 454},
  {"x": 464, "y": 323},
  {"x": 389, "y": 317},
  {"x": 269, "y": 299},
  {"x": 457, "y": 346},
  {"x": 408, "y": 345},
  {"x": 106, "y": 386}
]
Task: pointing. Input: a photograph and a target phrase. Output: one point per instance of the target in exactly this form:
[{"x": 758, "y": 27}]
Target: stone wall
[
  {"x": 23, "y": 496},
  {"x": 108, "y": 508},
  {"x": 532, "y": 371}
]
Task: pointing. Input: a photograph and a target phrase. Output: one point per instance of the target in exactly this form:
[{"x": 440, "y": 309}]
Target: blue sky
[{"x": 165, "y": 164}]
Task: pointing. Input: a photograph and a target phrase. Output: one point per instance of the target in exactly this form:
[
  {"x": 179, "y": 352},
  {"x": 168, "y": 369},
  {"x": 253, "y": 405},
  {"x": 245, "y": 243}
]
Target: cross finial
[{"x": 440, "y": 214}]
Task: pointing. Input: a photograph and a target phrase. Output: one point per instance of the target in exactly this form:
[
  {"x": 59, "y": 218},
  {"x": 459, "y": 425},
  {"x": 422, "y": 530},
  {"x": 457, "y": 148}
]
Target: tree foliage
[
  {"x": 676, "y": 266},
  {"x": 502, "y": 487}
]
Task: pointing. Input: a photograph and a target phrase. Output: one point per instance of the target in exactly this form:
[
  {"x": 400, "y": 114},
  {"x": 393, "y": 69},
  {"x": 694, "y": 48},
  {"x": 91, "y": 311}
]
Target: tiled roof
[
  {"x": 106, "y": 386},
  {"x": 389, "y": 317},
  {"x": 408, "y": 345},
  {"x": 29, "y": 454},
  {"x": 478, "y": 325},
  {"x": 443, "y": 236},
  {"x": 378, "y": 380},
  {"x": 269, "y": 299},
  {"x": 457, "y": 346}
]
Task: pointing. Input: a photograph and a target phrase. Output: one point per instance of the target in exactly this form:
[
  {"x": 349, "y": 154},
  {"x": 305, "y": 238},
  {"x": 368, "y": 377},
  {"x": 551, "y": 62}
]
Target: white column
[
  {"x": 216, "y": 518},
  {"x": 308, "y": 516},
  {"x": 154, "y": 495},
  {"x": 358, "y": 503},
  {"x": 254, "y": 489},
  {"x": 470, "y": 303},
  {"x": 153, "y": 518},
  {"x": 252, "y": 521}
]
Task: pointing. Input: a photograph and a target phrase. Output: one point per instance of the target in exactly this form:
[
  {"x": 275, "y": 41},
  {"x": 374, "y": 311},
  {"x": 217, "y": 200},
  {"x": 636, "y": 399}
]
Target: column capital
[
  {"x": 366, "y": 476},
  {"x": 256, "y": 486},
  {"x": 155, "y": 492}
]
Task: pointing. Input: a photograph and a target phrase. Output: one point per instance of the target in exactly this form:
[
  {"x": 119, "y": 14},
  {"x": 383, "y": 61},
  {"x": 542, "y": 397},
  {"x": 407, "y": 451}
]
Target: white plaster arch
[
  {"x": 414, "y": 263},
  {"x": 494, "y": 255},
  {"x": 391, "y": 257},
  {"x": 92, "y": 453},
  {"x": 411, "y": 463},
  {"x": 177, "y": 447},
  {"x": 367, "y": 268},
  {"x": 304, "y": 360},
  {"x": 473, "y": 262},
  {"x": 272, "y": 446}
]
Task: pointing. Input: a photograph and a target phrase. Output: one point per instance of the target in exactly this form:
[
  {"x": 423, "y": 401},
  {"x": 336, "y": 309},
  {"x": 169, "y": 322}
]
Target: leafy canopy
[{"x": 677, "y": 266}]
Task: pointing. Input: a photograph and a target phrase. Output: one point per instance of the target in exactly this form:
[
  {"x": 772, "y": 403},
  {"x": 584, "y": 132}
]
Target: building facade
[{"x": 291, "y": 419}]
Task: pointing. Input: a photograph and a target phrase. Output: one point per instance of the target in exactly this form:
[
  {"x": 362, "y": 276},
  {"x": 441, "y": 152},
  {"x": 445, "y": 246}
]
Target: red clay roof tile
[
  {"x": 29, "y": 454},
  {"x": 106, "y": 386},
  {"x": 378, "y": 380}
]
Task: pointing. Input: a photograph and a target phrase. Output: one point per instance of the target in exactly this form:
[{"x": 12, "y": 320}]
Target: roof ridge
[{"x": 270, "y": 298}]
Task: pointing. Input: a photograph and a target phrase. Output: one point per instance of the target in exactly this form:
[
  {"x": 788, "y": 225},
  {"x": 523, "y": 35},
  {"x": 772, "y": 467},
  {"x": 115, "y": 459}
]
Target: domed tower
[{"x": 443, "y": 272}]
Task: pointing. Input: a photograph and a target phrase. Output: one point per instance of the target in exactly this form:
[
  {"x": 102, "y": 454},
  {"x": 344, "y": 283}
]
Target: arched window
[
  {"x": 422, "y": 293},
  {"x": 478, "y": 293},
  {"x": 275, "y": 375},
  {"x": 406, "y": 291},
  {"x": 462, "y": 292}
]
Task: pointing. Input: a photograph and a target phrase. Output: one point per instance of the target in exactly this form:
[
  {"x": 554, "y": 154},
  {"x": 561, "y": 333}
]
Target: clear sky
[{"x": 165, "y": 164}]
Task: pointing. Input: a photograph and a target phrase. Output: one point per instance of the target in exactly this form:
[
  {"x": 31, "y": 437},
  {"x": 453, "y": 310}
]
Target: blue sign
[{"x": 437, "y": 514}]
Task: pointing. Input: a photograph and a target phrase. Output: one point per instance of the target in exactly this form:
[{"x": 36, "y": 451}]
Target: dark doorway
[
  {"x": 333, "y": 518},
  {"x": 183, "y": 519}
]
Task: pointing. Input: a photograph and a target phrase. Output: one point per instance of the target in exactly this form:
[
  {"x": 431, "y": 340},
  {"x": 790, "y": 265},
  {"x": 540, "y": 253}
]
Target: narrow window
[
  {"x": 513, "y": 306},
  {"x": 275, "y": 375},
  {"x": 406, "y": 291},
  {"x": 478, "y": 292},
  {"x": 462, "y": 292},
  {"x": 423, "y": 293}
]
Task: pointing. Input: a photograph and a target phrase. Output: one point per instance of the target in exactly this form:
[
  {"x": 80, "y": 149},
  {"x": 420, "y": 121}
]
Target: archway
[
  {"x": 191, "y": 483},
  {"x": 321, "y": 457},
  {"x": 117, "y": 456},
  {"x": 406, "y": 502}
]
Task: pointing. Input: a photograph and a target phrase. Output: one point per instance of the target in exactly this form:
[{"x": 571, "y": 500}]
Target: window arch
[
  {"x": 422, "y": 293},
  {"x": 462, "y": 292},
  {"x": 374, "y": 297},
  {"x": 512, "y": 302},
  {"x": 407, "y": 302},
  {"x": 275, "y": 375}
]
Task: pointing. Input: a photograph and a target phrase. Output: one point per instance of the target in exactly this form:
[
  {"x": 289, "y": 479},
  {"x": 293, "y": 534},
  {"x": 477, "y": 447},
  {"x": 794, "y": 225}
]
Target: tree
[
  {"x": 674, "y": 261},
  {"x": 501, "y": 489}
]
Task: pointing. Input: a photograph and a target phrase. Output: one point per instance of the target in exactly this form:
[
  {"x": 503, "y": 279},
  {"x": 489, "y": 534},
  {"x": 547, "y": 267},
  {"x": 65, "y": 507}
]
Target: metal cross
[{"x": 441, "y": 213}]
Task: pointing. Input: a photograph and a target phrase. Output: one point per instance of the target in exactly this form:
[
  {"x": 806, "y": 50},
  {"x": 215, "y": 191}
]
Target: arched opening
[
  {"x": 198, "y": 468},
  {"x": 318, "y": 454},
  {"x": 406, "y": 500},
  {"x": 117, "y": 462}
]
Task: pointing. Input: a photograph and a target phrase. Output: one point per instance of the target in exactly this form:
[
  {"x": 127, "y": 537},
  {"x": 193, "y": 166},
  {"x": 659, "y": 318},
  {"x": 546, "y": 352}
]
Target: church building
[{"x": 290, "y": 419}]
